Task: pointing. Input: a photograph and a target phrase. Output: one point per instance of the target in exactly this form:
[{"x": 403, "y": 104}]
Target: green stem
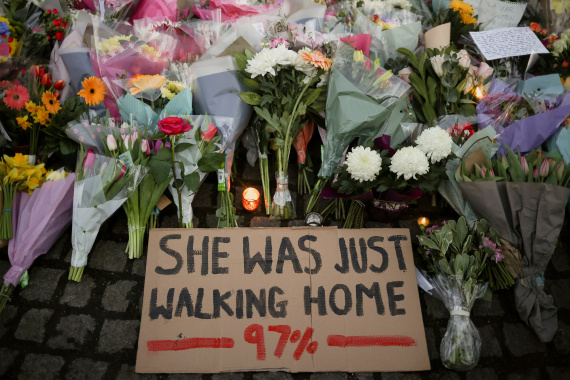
[
  {"x": 75, "y": 273},
  {"x": 5, "y": 293},
  {"x": 178, "y": 189}
]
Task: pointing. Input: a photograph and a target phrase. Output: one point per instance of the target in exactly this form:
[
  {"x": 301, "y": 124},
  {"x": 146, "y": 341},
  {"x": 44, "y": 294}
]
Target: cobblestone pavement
[{"x": 57, "y": 329}]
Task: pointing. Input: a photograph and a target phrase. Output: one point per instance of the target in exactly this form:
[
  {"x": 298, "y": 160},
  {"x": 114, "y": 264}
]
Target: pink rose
[{"x": 404, "y": 74}]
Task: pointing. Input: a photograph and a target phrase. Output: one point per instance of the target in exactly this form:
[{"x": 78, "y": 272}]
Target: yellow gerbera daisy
[
  {"x": 50, "y": 102},
  {"x": 467, "y": 19},
  {"x": 93, "y": 91},
  {"x": 461, "y": 7}
]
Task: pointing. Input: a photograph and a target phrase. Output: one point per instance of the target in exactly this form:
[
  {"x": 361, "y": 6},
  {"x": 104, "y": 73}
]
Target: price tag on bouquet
[{"x": 300, "y": 299}]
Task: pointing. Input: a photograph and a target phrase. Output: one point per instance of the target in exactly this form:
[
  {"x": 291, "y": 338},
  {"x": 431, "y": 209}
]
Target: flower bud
[
  {"x": 535, "y": 174},
  {"x": 59, "y": 85},
  {"x": 483, "y": 172},
  {"x": 551, "y": 164},
  {"x": 144, "y": 147},
  {"x": 89, "y": 159},
  {"x": 492, "y": 173},
  {"x": 544, "y": 168},
  {"x": 524, "y": 165},
  {"x": 46, "y": 80},
  {"x": 123, "y": 171},
  {"x": 560, "y": 170},
  {"x": 111, "y": 143},
  {"x": 57, "y": 95}
]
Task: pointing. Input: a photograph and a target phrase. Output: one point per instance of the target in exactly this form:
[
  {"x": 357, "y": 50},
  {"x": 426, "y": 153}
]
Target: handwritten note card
[
  {"x": 493, "y": 14},
  {"x": 508, "y": 42}
]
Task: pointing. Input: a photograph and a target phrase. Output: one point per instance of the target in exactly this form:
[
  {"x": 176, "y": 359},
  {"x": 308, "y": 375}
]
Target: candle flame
[{"x": 478, "y": 93}]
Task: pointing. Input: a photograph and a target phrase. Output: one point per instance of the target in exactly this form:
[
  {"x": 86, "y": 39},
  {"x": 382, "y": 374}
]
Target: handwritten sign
[
  {"x": 508, "y": 42},
  {"x": 299, "y": 299},
  {"x": 493, "y": 14}
]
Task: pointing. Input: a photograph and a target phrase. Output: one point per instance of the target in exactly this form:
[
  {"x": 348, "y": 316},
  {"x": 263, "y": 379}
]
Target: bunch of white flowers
[
  {"x": 383, "y": 6},
  {"x": 270, "y": 60},
  {"x": 436, "y": 143},
  {"x": 409, "y": 162},
  {"x": 561, "y": 44},
  {"x": 363, "y": 164}
]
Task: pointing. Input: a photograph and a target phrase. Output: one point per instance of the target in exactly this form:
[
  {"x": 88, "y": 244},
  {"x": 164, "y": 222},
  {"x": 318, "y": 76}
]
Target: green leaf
[
  {"x": 164, "y": 154},
  {"x": 452, "y": 95},
  {"x": 192, "y": 181},
  {"x": 411, "y": 56},
  {"x": 419, "y": 85},
  {"x": 312, "y": 95},
  {"x": 160, "y": 170},
  {"x": 251, "y": 98},
  {"x": 183, "y": 146},
  {"x": 428, "y": 243},
  {"x": 241, "y": 60},
  {"x": 211, "y": 162},
  {"x": 432, "y": 86},
  {"x": 251, "y": 83}
]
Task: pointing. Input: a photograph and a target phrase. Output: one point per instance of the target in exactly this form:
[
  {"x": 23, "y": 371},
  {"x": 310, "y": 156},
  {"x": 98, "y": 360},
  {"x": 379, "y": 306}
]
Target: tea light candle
[
  {"x": 423, "y": 221},
  {"x": 250, "y": 199}
]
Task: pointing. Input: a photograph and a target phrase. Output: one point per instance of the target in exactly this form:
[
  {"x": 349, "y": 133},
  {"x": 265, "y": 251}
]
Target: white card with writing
[
  {"x": 494, "y": 14},
  {"x": 508, "y": 42}
]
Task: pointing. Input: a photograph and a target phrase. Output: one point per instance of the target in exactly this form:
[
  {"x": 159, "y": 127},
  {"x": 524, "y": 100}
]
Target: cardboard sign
[{"x": 297, "y": 299}]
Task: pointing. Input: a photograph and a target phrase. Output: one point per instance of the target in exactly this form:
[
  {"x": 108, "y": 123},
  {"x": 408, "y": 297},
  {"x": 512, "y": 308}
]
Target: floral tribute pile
[{"x": 131, "y": 104}]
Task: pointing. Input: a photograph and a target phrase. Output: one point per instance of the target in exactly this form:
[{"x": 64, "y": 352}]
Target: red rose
[
  {"x": 59, "y": 36},
  {"x": 210, "y": 133},
  {"x": 56, "y": 22},
  {"x": 565, "y": 64},
  {"x": 54, "y": 11},
  {"x": 173, "y": 125}
]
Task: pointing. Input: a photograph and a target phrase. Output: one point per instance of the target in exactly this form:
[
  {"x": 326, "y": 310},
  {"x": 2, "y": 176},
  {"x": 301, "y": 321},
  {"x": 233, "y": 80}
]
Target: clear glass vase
[{"x": 282, "y": 204}]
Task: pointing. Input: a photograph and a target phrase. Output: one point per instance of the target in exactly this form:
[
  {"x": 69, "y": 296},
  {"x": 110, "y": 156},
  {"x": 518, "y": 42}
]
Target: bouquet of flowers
[
  {"x": 524, "y": 198},
  {"x": 39, "y": 220},
  {"x": 276, "y": 69},
  {"x": 360, "y": 98},
  {"x": 392, "y": 175},
  {"x": 459, "y": 263},
  {"x": 193, "y": 155},
  {"x": 18, "y": 174},
  {"x": 102, "y": 185},
  {"x": 445, "y": 82},
  {"x": 460, "y": 16},
  {"x": 10, "y": 39},
  {"x": 32, "y": 110},
  {"x": 231, "y": 9},
  {"x": 113, "y": 12}
]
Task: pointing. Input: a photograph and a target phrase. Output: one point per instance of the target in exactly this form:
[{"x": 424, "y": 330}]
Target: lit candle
[
  {"x": 478, "y": 93},
  {"x": 423, "y": 221},
  {"x": 250, "y": 199}
]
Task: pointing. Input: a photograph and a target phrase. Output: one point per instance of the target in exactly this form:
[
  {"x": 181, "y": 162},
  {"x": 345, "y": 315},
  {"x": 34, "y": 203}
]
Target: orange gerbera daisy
[
  {"x": 93, "y": 91},
  {"x": 140, "y": 83},
  {"x": 16, "y": 97},
  {"x": 50, "y": 102},
  {"x": 316, "y": 58}
]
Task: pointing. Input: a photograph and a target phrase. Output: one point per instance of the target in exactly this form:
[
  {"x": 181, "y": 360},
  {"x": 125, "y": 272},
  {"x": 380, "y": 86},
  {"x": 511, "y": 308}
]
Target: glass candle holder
[
  {"x": 423, "y": 221},
  {"x": 250, "y": 199}
]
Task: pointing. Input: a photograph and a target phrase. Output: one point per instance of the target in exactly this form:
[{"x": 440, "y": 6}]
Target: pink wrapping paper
[
  {"x": 156, "y": 10},
  {"x": 232, "y": 11}
]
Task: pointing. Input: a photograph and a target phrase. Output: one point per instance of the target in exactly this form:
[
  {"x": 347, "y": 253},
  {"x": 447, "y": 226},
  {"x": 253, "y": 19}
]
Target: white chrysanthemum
[
  {"x": 270, "y": 60},
  {"x": 363, "y": 164},
  {"x": 409, "y": 162},
  {"x": 436, "y": 143}
]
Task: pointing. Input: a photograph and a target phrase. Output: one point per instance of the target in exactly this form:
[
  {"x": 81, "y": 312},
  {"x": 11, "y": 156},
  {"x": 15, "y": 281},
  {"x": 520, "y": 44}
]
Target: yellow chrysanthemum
[
  {"x": 461, "y": 7},
  {"x": 23, "y": 122},
  {"x": 141, "y": 83},
  {"x": 93, "y": 91},
  {"x": 50, "y": 102},
  {"x": 112, "y": 43},
  {"x": 467, "y": 19}
]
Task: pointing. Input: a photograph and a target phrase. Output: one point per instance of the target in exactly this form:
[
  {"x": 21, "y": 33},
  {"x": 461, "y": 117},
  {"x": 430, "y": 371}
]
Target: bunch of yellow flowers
[
  {"x": 19, "y": 174},
  {"x": 465, "y": 11}
]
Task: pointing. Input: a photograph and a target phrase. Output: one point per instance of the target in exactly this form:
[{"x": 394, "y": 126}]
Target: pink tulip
[
  {"x": 535, "y": 173},
  {"x": 123, "y": 171},
  {"x": 89, "y": 160},
  {"x": 210, "y": 133},
  {"x": 524, "y": 165},
  {"x": 144, "y": 147}
]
